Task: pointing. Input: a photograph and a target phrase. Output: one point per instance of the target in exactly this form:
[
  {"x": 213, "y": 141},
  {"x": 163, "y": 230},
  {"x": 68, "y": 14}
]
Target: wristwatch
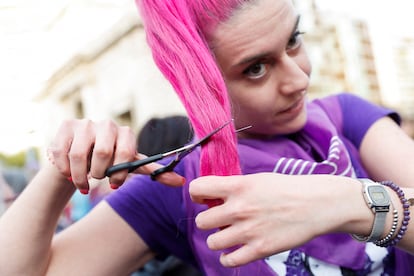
[{"x": 378, "y": 200}]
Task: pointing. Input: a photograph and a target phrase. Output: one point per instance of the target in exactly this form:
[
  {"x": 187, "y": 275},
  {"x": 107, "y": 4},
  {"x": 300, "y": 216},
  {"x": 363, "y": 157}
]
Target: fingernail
[
  {"x": 114, "y": 186},
  {"x": 70, "y": 179},
  {"x": 84, "y": 191}
]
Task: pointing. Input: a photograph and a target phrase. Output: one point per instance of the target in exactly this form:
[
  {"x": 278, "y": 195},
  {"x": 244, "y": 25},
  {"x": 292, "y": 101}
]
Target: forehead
[{"x": 253, "y": 24}]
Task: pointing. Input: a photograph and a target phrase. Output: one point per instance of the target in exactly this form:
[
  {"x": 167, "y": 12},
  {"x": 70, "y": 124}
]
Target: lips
[{"x": 294, "y": 107}]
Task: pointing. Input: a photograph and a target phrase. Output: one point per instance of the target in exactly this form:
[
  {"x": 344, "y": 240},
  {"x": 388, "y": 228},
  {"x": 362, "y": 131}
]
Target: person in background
[
  {"x": 160, "y": 135},
  {"x": 17, "y": 178},
  {"x": 7, "y": 194},
  {"x": 321, "y": 187},
  {"x": 164, "y": 134}
]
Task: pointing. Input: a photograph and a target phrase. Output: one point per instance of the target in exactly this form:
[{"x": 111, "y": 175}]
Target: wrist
[
  {"x": 53, "y": 185},
  {"x": 350, "y": 214},
  {"x": 378, "y": 200},
  {"x": 358, "y": 218}
]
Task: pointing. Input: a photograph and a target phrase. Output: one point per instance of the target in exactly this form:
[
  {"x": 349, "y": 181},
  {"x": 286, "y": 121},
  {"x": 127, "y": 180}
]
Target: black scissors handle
[
  {"x": 131, "y": 166},
  {"x": 179, "y": 153},
  {"x": 167, "y": 168}
]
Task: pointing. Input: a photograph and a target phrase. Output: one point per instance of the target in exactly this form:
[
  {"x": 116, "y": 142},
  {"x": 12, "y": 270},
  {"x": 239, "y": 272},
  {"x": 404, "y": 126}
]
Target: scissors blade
[
  {"x": 183, "y": 151},
  {"x": 180, "y": 154},
  {"x": 208, "y": 136},
  {"x": 170, "y": 166}
]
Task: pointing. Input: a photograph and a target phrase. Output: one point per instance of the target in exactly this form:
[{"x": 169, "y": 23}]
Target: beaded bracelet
[
  {"x": 406, "y": 218},
  {"x": 388, "y": 237}
]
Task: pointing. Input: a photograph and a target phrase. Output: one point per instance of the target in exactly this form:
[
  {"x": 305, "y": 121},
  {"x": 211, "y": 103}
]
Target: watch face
[{"x": 378, "y": 195}]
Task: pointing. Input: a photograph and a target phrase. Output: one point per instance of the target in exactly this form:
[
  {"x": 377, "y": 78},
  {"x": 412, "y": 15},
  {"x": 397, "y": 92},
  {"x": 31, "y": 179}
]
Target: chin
[{"x": 295, "y": 125}]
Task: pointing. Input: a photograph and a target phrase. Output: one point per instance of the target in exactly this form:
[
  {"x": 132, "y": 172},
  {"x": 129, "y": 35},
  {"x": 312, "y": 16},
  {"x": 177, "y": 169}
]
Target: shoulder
[
  {"x": 354, "y": 115},
  {"x": 355, "y": 107}
]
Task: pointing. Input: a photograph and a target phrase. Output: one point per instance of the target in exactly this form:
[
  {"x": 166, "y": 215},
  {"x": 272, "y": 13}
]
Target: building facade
[{"x": 116, "y": 78}]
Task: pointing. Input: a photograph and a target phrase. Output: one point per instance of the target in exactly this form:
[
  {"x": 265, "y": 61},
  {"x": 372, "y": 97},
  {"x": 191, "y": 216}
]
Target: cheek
[
  {"x": 250, "y": 99},
  {"x": 252, "y": 110},
  {"x": 304, "y": 62}
]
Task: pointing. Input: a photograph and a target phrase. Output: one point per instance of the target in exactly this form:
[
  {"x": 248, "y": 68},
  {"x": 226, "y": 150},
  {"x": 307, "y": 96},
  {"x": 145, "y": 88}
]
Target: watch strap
[
  {"x": 379, "y": 216},
  {"x": 377, "y": 229}
]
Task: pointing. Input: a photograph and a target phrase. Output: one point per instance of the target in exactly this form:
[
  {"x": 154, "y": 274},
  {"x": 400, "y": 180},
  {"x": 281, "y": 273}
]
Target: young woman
[{"x": 288, "y": 191}]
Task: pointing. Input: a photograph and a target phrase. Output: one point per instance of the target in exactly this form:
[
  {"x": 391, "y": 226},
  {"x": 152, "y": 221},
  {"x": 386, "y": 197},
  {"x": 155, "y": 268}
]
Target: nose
[{"x": 293, "y": 74}]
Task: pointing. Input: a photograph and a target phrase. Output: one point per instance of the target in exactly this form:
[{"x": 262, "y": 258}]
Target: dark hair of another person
[
  {"x": 160, "y": 135},
  {"x": 164, "y": 134}
]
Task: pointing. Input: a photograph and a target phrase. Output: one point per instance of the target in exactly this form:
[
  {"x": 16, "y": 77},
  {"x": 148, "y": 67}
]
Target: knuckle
[
  {"x": 76, "y": 156},
  {"x": 103, "y": 152},
  {"x": 126, "y": 130},
  {"x": 63, "y": 169},
  {"x": 125, "y": 153},
  {"x": 56, "y": 152},
  {"x": 108, "y": 125},
  {"x": 238, "y": 211},
  {"x": 128, "y": 134},
  {"x": 261, "y": 248}
]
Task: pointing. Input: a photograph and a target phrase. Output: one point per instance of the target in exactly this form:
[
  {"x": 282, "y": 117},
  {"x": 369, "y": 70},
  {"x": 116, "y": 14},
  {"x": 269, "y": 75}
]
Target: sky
[
  {"x": 387, "y": 17},
  {"x": 36, "y": 37}
]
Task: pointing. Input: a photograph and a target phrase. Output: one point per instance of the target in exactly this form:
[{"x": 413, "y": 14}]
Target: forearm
[{"x": 27, "y": 228}]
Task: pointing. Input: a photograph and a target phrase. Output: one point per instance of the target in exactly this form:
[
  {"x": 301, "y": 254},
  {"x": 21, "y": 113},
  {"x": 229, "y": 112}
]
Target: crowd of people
[
  {"x": 312, "y": 187},
  {"x": 13, "y": 180}
]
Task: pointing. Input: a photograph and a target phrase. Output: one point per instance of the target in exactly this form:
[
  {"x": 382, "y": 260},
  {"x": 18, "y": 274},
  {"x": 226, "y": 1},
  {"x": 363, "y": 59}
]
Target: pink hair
[{"x": 176, "y": 33}]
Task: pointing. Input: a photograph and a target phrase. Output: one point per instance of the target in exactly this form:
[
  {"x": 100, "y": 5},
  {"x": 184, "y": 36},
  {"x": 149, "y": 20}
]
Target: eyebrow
[{"x": 250, "y": 59}]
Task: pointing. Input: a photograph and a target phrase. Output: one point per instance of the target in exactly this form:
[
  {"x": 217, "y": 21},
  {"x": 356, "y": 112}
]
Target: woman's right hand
[{"x": 84, "y": 149}]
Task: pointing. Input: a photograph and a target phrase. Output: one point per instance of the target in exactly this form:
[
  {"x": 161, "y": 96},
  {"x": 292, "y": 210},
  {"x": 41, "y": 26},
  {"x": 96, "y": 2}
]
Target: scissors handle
[
  {"x": 131, "y": 166},
  {"x": 167, "y": 168}
]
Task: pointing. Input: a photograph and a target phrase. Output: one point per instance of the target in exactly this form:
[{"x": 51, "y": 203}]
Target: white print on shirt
[
  {"x": 337, "y": 163},
  {"x": 320, "y": 268}
]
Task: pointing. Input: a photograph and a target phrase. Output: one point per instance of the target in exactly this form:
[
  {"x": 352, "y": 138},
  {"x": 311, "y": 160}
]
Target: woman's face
[{"x": 265, "y": 66}]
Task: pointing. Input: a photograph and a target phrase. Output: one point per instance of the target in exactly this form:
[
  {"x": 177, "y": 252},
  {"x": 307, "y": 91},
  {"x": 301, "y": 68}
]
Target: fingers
[
  {"x": 246, "y": 245},
  {"x": 103, "y": 149},
  {"x": 80, "y": 152},
  {"x": 216, "y": 217},
  {"x": 208, "y": 188},
  {"x": 125, "y": 150},
  {"x": 241, "y": 256},
  {"x": 58, "y": 150},
  {"x": 168, "y": 178},
  {"x": 84, "y": 149}
]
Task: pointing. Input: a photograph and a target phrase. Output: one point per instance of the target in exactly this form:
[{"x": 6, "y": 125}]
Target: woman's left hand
[{"x": 267, "y": 213}]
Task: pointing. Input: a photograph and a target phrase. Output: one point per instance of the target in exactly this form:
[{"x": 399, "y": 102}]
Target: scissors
[{"x": 179, "y": 153}]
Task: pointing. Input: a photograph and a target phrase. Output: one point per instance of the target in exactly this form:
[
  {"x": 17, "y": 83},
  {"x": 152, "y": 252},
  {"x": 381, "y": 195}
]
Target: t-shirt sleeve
[
  {"x": 353, "y": 115},
  {"x": 155, "y": 211},
  {"x": 359, "y": 115}
]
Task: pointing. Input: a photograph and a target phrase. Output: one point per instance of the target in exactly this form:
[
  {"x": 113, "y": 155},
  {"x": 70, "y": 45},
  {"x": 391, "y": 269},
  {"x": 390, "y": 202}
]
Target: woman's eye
[
  {"x": 255, "y": 71},
  {"x": 295, "y": 40}
]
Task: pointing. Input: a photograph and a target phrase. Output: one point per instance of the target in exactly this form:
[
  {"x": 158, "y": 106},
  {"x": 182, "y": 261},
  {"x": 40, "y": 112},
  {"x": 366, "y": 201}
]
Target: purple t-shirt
[{"x": 164, "y": 216}]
